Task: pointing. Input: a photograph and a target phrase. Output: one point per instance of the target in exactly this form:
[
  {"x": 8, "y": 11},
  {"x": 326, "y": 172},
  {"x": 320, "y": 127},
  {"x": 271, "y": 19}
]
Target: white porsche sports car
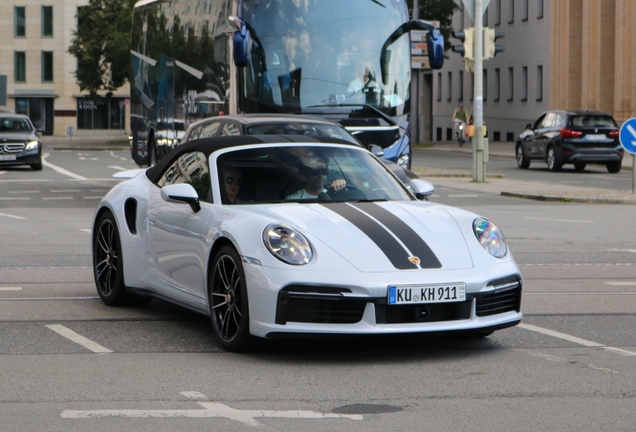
[{"x": 275, "y": 236}]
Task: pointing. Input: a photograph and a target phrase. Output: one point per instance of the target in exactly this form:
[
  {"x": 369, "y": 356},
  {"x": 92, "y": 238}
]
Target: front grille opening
[
  {"x": 318, "y": 305},
  {"x": 432, "y": 312},
  {"x": 499, "y": 302}
]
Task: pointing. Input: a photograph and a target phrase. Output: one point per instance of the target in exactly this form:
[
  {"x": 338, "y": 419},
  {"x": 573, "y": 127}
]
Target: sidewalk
[{"x": 498, "y": 185}]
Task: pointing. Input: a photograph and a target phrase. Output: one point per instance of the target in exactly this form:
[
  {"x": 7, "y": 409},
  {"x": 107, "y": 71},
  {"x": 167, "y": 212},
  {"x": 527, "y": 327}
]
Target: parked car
[
  {"x": 219, "y": 226},
  {"x": 571, "y": 137},
  {"x": 19, "y": 142},
  {"x": 286, "y": 124}
]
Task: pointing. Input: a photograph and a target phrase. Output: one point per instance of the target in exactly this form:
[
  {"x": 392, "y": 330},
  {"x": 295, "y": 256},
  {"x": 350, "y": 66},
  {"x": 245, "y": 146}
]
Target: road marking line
[
  {"x": 60, "y": 169},
  {"x": 557, "y": 220},
  {"x": 66, "y": 190},
  {"x": 24, "y": 192},
  {"x": 78, "y": 339},
  {"x": 56, "y": 198},
  {"x": 575, "y": 339},
  {"x": 10, "y": 288},
  {"x": 621, "y": 283},
  {"x": 117, "y": 167},
  {"x": 15, "y": 199},
  {"x": 11, "y": 216},
  {"x": 193, "y": 395},
  {"x": 86, "y": 230},
  {"x": 93, "y": 197},
  {"x": 117, "y": 157},
  {"x": 623, "y": 250},
  {"x": 210, "y": 410}
]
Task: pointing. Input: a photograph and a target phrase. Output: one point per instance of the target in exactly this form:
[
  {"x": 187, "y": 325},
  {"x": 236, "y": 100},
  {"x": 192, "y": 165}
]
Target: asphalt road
[{"x": 68, "y": 362}]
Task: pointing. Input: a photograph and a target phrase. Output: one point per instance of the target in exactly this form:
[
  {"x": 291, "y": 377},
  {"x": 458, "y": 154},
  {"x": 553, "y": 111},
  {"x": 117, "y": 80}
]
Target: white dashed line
[
  {"x": 621, "y": 283},
  {"x": 60, "y": 169},
  {"x": 11, "y": 216},
  {"x": 575, "y": 339},
  {"x": 78, "y": 339},
  {"x": 65, "y": 190},
  {"x": 85, "y": 230},
  {"x": 93, "y": 197},
  {"x": 10, "y": 288},
  {"x": 56, "y": 198},
  {"x": 24, "y": 192},
  {"x": 15, "y": 199},
  {"x": 117, "y": 167},
  {"x": 623, "y": 250}
]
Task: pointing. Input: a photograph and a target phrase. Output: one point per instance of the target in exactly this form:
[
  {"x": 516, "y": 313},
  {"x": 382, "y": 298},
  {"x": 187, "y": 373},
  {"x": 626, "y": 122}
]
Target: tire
[
  {"x": 614, "y": 167},
  {"x": 580, "y": 166},
  {"x": 37, "y": 166},
  {"x": 228, "y": 302},
  {"x": 552, "y": 161},
  {"x": 522, "y": 160},
  {"x": 108, "y": 265}
]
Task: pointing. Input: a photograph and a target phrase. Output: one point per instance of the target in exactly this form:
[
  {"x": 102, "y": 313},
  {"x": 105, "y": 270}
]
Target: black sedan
[
  {"x": 19, "y": 142},
  {"x": 284, "y": 124},
  {"x": 571, "y": 137}
]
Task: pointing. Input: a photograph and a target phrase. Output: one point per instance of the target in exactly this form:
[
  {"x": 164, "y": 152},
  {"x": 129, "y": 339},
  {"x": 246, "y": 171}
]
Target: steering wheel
[{"x": 348, "y": 187}]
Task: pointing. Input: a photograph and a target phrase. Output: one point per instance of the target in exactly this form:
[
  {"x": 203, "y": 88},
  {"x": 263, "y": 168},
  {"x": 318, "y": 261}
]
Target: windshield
[
  {"x": 324, "y": 52},
  {"x": 14, "y": 124},
  {"x": 296, "y": 173},
  {"x": 593, "y": 121},
  {"x": 309, "y": 129}
]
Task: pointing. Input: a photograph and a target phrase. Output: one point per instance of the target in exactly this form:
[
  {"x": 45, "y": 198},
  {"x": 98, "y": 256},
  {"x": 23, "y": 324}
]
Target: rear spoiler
[{"x": 128, "y": 174}]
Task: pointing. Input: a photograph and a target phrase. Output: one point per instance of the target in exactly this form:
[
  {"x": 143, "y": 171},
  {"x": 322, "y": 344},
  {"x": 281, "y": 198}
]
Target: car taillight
[
  {"x": 569, "y": 133},
  {"x": 613, "y": 134}
]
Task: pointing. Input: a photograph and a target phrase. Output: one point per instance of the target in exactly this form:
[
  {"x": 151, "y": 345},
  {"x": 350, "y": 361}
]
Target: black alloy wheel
[
  {"x": 580, "y": 166},
  {"x": 108, "y": 265},
  {"x": 227, "y": 298},
  {"x": 552, "y": 161},
  {"x": 522, "y": 160},
  {"x": 614, "y": 167}
]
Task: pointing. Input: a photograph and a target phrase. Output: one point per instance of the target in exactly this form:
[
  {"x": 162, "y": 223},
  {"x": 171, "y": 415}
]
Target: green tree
[
  {"x": 438, "y": 10},
  {"x": 101, "y": 44}
]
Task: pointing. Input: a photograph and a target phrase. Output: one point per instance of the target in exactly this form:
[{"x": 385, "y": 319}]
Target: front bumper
[{"x": 27, "y": 157}]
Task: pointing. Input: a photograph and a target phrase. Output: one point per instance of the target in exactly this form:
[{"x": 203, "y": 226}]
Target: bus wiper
[
  {"x": 383, "y": 115},
  {"x": 378, "y": 3}
]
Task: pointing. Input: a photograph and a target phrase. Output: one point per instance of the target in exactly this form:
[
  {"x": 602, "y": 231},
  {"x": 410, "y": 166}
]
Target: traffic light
[
  {"x": 490, "y": 48},
  {"x": 467, "y": 49}
]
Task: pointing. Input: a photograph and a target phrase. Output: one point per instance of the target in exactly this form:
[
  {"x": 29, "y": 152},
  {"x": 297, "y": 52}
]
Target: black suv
[
  {"x": 19, "y": 142},
  {"x": 571, "y": 137}
]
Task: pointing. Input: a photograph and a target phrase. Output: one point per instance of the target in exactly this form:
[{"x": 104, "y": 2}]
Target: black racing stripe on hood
[
  {"x": 393, "y": 250},
  {"x": 405, "y": 233}
]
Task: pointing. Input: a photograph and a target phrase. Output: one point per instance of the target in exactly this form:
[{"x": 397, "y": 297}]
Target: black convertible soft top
[{"x": 210, "y": 145}]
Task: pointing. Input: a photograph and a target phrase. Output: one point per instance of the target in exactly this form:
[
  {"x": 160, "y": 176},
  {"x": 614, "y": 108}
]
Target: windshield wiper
[
  {"x": 378, "y": 3},
  {"x": 383, "y": 115}
]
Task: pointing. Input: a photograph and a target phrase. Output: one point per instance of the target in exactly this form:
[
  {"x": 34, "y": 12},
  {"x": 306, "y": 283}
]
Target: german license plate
[
  {"x": 413, "y": 294},
  {"x": 7, "y": 157},
  {"x": 595, "y": 137}
]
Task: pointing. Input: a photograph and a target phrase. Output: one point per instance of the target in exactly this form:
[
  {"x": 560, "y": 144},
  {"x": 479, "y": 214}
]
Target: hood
[
  {"x": 382, "y": 236},
  {"x": 18, "y": 137}
]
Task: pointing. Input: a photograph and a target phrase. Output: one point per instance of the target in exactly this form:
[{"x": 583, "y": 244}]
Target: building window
[
  {"x": 485, "y": 85},
  {"x": 498, "y": 13},
  {"x": 472, "y": 85},
  {"x": 439, "y": 86},
  {"x": 539, "y": 9},
  {"x": 47, "y": 20},
  {"x": 19, "y": 66},
  {"x": 461, "y": 86},
  {"x": 450, "y": 87},
  {"x": 511, "y": 15},
  {"x": 524, "y": 84},
  {"x": 539, "y": 83},
  {"x": 100, "y": 113},
  {"x": 19, "y": 21},
  {"x": 524, "y": 11},
  {"x": 47, "y": 66},
  {"x": 511, "y": 84},
  {"x": 497, "y": 84}
]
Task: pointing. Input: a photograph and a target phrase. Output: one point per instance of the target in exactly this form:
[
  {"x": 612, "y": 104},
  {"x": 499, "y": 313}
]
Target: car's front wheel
[
  {"x": 108, "y": 264},
  {"x": 580, "y": 166},
  {"x": 614, "y": 167},
  {"x": 522, "y": 159},
  {"x": 552, "y": 161},
  {"x": 37, "y": 166},
  {"x": 227, "y": 298}
]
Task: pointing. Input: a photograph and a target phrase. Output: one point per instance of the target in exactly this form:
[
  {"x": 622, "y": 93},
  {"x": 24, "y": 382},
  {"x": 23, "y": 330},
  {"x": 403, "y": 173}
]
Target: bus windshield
[{"x": 308, "y": 53}]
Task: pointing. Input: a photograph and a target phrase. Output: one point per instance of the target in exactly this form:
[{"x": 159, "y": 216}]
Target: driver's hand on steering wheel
[{"x": 338, "y": 185}]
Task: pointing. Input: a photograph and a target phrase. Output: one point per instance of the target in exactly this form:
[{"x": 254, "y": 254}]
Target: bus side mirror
[
  {"x": 385, "y": 61},
  {"x": 435, "y": 45},
  {"x": 241, "y": 38}
]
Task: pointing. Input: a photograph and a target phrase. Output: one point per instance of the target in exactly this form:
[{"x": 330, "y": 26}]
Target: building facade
[
  {"x": 559, "y": 54},
  {"x": 40, "y": 82}
]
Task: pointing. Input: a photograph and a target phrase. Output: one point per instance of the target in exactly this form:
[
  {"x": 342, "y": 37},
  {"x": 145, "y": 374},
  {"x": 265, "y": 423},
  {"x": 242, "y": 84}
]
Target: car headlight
[
  {"x": 490, "y": 237},
  {"x": 287, "y": 244},
  {"x": 403, "y": 161},
  {"x": 32, "y": 145}
]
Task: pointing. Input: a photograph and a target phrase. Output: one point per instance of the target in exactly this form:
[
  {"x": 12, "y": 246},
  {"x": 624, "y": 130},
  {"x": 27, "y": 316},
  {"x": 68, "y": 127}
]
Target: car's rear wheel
[
  {"x": 552, "y": 161},
  {"x": 580, "y": 166},
  {"x": 108, "y": 264},
  {"x": 522, "y": 159},
  {"x": 614, "y": 167},
  {"x": 227, "y": 298}
]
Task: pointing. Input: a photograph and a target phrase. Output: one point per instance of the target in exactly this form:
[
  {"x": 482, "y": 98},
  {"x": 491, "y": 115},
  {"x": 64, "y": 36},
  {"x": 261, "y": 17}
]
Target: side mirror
[
  {"x": 529, "y": 126},
  {"x": 421, "y": 188},
  {"x": 376, "y": 150},
  {"x": 435, "y": 45},
  {"x": 241, "y": 38},
  {"x": 182, "y": 192},
  {"x": 39, "y": 131}
]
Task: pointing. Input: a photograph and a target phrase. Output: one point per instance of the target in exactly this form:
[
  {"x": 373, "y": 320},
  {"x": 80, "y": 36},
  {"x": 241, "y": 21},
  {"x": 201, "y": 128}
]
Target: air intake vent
[
  {"x": 318, "y": 305},
  {"x": 505, "y": 298},
  {"x": 130, "y": 210}
]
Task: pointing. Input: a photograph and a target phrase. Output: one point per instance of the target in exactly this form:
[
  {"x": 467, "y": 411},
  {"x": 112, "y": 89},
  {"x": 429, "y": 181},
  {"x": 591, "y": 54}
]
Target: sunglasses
[
  {"x": 316, "y": 171},
  {"x": 232, "y": 180}
]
